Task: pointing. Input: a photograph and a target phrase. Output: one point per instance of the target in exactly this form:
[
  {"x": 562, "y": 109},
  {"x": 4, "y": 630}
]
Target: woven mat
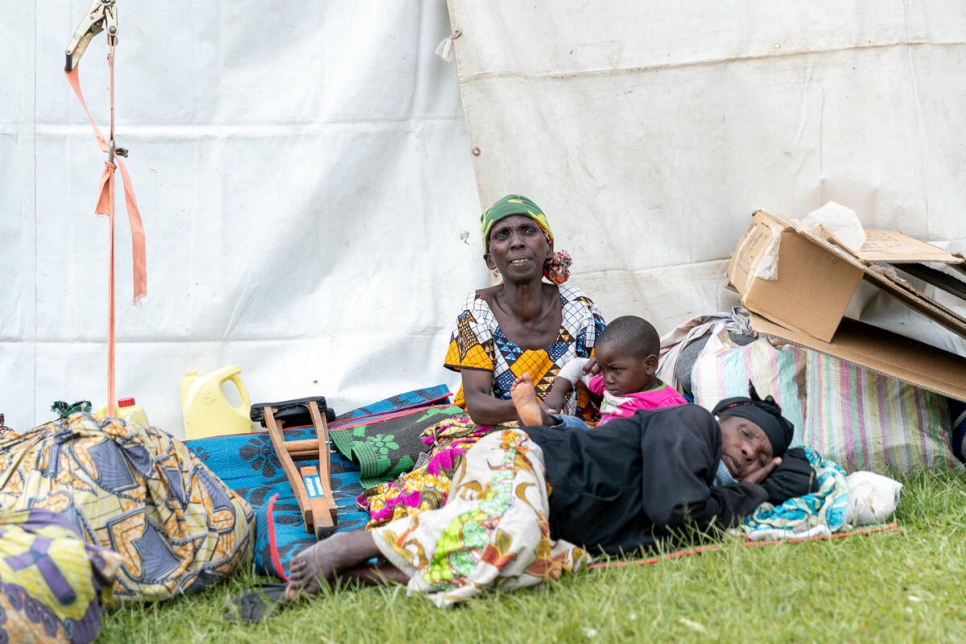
[{"x": 892, "y": 527}]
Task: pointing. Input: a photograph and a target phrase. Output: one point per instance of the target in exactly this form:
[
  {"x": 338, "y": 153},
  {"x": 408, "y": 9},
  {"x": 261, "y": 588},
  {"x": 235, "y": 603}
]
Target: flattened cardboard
[
  {"x": 943, "y": 281},
  {"x": 817, "y": 278},
  {"x": 895, "y": 247},
  {"x": 883, "y": 352},
  {"x": 913, "y": 298}
]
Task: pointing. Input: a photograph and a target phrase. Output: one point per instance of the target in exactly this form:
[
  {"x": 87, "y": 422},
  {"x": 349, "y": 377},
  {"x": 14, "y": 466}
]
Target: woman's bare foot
[
  {"x": 324, "y": 560},
  {"x": 529, "y": 409},
  {"x": 379, "y": 574}
]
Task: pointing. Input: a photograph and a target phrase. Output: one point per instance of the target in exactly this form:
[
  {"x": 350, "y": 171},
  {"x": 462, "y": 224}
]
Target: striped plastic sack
[
  {"x": 865, "y": 421},
  {"x": 723, "y": 370}
]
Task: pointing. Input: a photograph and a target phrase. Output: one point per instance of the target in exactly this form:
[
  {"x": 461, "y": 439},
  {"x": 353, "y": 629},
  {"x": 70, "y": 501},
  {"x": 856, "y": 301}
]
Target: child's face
[{"x": 625, "y": 374}]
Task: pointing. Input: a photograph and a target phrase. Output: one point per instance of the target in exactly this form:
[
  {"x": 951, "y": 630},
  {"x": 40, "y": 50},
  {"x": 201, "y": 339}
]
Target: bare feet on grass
[
  {"x": 529, "y": 409},
  {"x": 325, "y": 560}
]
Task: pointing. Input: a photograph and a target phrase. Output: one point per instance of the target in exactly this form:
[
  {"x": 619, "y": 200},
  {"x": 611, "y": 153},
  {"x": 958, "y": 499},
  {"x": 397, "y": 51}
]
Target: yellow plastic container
[
  {"x": 127, "y": 409},
  {"x": 205, "y": 409}
]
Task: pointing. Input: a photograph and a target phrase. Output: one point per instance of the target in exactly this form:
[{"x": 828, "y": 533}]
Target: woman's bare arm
[{"x": 482, "y": 406}]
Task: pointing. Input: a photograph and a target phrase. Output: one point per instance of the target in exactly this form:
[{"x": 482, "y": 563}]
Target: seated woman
[
  {"x": 528, "y": 505},
  {"x": 524, "y": 325}
]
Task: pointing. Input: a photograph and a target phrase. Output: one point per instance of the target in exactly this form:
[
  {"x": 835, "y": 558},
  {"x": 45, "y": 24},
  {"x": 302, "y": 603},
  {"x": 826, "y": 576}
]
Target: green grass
[{"x": 894, "y": 587}]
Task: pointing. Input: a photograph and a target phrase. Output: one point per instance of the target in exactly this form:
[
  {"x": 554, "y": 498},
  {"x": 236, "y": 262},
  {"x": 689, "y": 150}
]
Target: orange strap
[{"x": 105, "y": 206}]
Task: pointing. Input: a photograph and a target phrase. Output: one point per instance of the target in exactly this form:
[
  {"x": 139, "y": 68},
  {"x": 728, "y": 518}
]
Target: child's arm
[
  {"x": 595, "y": 392},
  {"x": 558, "y": 394},
  {"x": 567, "y": 378}
]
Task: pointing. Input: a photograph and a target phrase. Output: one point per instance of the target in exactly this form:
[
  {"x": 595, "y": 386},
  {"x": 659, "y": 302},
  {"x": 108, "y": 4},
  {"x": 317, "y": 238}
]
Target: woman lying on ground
[
  {"x": 529, "y": 323},
  {"x": 527, "y": 505}
]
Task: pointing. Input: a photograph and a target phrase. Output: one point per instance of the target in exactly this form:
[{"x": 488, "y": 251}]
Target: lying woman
[
  {"x": 527, "y": 505},
  {"x": 531, "y": 322}
]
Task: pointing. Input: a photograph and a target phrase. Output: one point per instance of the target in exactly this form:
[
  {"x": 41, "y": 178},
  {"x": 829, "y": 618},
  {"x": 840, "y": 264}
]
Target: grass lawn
[{"x": 894, "y": 587}]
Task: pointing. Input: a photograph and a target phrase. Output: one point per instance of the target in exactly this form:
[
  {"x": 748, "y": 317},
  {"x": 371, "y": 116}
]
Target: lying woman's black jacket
[{"x": 636, "y": 480}]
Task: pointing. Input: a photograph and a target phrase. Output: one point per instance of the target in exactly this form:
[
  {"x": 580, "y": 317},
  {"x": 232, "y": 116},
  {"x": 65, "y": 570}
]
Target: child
[{"x": 626, "y": 353}]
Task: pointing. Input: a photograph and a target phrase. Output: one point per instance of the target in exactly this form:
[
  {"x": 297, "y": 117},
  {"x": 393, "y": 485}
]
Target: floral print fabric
[
  {"x": 818, "y": 514},
  {"x": 424, "y": 488},
  {"x": 53, "y": 586},
  {"x": 492, "y": 532},
  {"x": 136, "y": 490}
]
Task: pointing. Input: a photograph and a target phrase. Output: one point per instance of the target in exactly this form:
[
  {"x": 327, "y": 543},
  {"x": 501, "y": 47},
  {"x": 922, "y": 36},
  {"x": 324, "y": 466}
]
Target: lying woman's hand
[{"x": 759, "y": 475}]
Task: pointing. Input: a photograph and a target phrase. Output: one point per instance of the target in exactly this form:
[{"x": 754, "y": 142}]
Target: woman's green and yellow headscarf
[
  {"x": 507, "y": 207},
  {"x": 556, "y": 268}
]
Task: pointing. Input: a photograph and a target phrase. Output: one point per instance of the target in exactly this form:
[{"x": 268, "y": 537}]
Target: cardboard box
[
  {"x": 798, "y": 285},
  {"x": 816, "y": 278},
  {"x": 812, "y": 287}
]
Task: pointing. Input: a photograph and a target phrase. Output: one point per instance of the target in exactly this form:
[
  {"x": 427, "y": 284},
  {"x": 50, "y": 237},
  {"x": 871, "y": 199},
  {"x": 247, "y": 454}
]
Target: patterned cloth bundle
[{"x": 135, "y": 490}]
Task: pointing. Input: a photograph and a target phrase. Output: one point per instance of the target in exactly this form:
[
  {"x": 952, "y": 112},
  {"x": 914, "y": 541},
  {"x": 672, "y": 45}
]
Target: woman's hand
[
  {"x": 762, "y": 473},
  {"x": 483, "y": 408}
]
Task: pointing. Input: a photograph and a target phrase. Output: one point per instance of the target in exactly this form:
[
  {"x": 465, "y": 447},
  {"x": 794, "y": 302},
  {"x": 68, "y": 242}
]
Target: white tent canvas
[
  {"x": 652, "y": 131},
  {"x": 311, "y": 175},
  {"x": 304, "y": 179}
]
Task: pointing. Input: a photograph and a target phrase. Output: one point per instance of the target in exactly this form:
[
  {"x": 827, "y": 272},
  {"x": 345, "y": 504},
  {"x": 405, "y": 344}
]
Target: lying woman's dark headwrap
[
  {"x": 766, "y": 413},
  {"x": 556, "y": 269}
]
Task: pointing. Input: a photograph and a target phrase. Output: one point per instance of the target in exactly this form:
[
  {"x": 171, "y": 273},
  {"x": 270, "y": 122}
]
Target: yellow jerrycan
[
  {"x": 206, "y": 410},
  {"x": 127, "y": 409}
]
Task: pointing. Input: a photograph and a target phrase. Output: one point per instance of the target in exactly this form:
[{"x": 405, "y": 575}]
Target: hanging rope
[{"x": 105, "y": 206}]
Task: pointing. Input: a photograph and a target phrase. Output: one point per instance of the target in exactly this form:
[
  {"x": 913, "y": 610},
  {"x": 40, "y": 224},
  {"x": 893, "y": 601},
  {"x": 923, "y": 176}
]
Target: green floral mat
[{"x": 387, "y": 445}]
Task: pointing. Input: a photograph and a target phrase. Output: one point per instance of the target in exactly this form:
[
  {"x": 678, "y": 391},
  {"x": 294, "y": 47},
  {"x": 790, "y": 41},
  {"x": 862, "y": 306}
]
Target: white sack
[
  {"x": 872, "y": 498},
  {"x": 838, "y": 221}
]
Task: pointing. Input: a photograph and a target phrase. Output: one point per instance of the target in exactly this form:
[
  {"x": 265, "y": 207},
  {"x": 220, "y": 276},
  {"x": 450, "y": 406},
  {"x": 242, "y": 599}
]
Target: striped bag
[
  {"x": 866, "y": 421},
  {"x": 853, "y": 416},
  {"x": 723, "y": 370}
]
